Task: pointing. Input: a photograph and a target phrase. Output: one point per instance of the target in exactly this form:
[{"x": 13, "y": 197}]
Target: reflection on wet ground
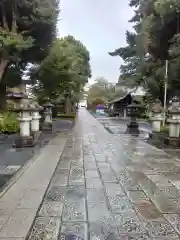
[
  {"x": 110, "y": 187},
  {"x": 12, "y": 159},
  {"x": 118, "y": 126}
]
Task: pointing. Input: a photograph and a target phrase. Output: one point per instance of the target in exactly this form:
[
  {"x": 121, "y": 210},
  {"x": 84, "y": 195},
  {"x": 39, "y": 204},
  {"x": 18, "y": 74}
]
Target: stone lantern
[
  {"x": 133, "y": 111},
  {"x": 35, "y": 117},
  {"x": 25, "y": 139},
  {"x": 47, "y": 126},
  {"x": 157, "y": 116},
  {"x": 174, "y": 118}
]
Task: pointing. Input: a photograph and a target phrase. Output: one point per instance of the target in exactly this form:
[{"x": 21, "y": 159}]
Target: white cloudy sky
[{"x": 101, "y": 26}]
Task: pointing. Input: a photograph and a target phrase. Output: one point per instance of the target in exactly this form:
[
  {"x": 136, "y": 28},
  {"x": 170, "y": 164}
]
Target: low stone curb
[
  {"x": 23, "y": 195},
  {"x": 18, "y": 174}
]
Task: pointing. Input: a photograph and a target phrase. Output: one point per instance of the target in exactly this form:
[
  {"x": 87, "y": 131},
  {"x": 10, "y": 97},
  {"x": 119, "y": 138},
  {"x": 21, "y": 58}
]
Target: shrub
[
  {"x": 165, "y": 129},
  {"x": 9, "y": 123},
  {"x": 144, "y": 115}
]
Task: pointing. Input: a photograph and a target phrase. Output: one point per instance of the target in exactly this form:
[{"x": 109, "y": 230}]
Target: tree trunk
[
  {"x": 3, "y": 66},
  {"x": 73, "y": 107},
  {"x": 2, "y": 98},
  {"x": 67, "y": 105}
]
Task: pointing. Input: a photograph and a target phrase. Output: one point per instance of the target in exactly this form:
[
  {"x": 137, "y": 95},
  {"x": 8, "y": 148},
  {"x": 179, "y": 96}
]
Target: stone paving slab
[
  {"x": 18, "y": 206},
  {"x": 12, "y": 159},
  {"x": 104, "y": 187},
  {"x": 45, "y": 228}
]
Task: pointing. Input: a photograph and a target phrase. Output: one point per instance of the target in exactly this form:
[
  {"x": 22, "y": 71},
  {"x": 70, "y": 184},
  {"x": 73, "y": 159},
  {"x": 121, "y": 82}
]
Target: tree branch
[
  {"x": 14, "y": 17},
  {"x": 4, "y": 19}
]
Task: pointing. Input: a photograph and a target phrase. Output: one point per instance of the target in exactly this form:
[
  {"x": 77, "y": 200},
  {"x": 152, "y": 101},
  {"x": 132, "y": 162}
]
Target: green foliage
[
  {"x": 156, "y": 38},
  {"x": 12, "y": 42},
  {"x": 159, "y": 24},
  {"x": 92, "y": 105},
  {"x": 133, "y": 61},
  {"x": 164, "y": 129},
  {"x": 104, "y": 91},
  {"x": 9, "y": 123},
  {"x": 65, "y": 71},
  {"x": 23, "y": 22},
  {"x": 27, "y": 29},
  {"x": 166, "y": 7},
  {"x": 13, "y": 76},
  {"x": 66, "y": 116}
]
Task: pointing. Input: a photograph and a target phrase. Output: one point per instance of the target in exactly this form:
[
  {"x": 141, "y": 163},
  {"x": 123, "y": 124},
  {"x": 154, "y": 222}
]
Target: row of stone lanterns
[
  {"x": 133, "y": 111},
  {"x": 29, "y": 119},
  {"x": 157, "y": 117},
  {"x": 173, "y": 119},
  {"x": 47, "y": 116}
]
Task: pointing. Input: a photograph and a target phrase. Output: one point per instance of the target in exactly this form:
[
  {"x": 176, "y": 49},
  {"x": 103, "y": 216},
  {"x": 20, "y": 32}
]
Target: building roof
[
  {"x": 134, "y": 93},
  {"x": 120, "y": 99}
]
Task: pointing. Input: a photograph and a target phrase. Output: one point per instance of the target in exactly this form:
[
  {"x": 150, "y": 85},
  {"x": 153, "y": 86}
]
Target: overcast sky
[{"x": 101, "y": 26}]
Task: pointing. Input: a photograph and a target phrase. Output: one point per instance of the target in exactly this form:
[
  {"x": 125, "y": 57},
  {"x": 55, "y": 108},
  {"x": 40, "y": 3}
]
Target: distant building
[
  {"x": 83, "y": 103},
  {"x": 117, "y": 107},
  {"x": 140, "y": 91}
]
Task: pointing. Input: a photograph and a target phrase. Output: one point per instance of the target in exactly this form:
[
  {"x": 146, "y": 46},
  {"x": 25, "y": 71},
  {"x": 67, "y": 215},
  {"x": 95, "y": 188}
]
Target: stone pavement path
[
  {"x": 110, "y": 187},
  {"x": 12, "y": 159},
  {"x": 19, "y": 204}
]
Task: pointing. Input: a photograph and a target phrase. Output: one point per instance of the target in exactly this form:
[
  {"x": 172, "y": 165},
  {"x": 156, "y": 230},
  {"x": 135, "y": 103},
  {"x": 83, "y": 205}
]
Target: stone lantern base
[
  {"x": 47, "y": 127},
  {"x": 22, "y": 142},
  {"x": 36, "y": 135},
  {"x": 133, "y": 128},
  {"x": 172, "y": 141},
  {"x": 30, "y": 141},
  {"x": 156, "y": 123}
]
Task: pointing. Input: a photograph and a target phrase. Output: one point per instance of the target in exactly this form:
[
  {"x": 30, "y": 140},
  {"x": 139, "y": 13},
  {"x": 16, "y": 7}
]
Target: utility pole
[{"x": 165, "y": 90}]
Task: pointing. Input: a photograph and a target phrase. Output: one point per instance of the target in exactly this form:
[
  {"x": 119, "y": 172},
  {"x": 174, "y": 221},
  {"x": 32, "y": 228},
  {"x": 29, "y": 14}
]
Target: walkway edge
[
  {"x": 21, "y": 199},
  {"x": 21, "y": 171},
  {"x": 18, "y": 174}
]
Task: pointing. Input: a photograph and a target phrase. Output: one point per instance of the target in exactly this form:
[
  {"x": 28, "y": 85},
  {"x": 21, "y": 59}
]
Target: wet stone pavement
[
  {"x": 110, "y": 187},
  {"x": 12, "y": 159}
]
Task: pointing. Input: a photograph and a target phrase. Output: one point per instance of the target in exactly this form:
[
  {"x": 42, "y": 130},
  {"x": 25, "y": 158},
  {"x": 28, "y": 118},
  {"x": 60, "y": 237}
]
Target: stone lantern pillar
[
  {"x": 25, "y": 139},
  {"x": 133, "y": 111},
  {"x": 47, "y": 126},
  {"x": 157, "y": 117},
  {"x": 174, "y": 118},
  {"x": 35, "y": 117}
]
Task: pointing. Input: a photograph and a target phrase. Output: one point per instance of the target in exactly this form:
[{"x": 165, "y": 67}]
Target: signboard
[{"x": 100, "y": 109}]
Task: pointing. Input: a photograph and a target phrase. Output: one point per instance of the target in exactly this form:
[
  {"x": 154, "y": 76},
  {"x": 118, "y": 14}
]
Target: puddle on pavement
[{"x": 11, "y": 150}]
